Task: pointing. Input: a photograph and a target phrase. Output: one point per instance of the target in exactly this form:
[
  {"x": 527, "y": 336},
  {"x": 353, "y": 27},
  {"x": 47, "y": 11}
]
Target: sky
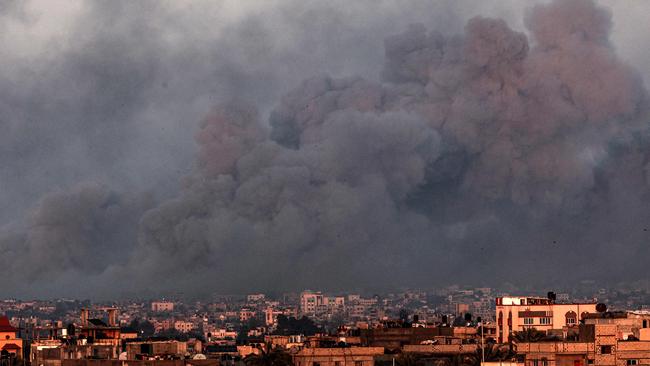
[{"x": 206, "y": 147}]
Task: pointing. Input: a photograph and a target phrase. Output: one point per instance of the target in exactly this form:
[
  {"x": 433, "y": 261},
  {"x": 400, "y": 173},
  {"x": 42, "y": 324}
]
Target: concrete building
[
  {"x": 96, "y": 331},
  {"x": 9, "y": 342},
  {"x": 348, "y": 356},
  {"x": 271, "y": 316},
  {"x": 183, "y": 326},
  {"x": 395, "y": 338},
  {"x": 245, "y": 314},
  {"x": 54, "y": 352},
  {"x": 156, "y": 350},
  {"x": 516, "y": 314},
  {"x": 161, "y": 306},
  {"x": 310, "y": 302},
  {"x": 255, "y": 297},
  {"x": 441, "y": 349},
  {"x": 630, "y": 325},
  {"x": 186, "y": 362},
  {"x": 608, "y": 339}
]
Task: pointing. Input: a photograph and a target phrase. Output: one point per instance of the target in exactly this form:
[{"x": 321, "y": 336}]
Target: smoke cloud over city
[{"x": 474, "y": 147}]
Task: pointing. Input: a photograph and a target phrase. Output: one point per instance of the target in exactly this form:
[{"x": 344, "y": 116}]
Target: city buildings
[{"x": 317, "y": 328}]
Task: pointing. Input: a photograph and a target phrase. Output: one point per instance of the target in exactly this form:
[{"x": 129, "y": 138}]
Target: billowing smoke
[
  {"x": 81, "y": 231},
  {"x": 487, "y": 156}
]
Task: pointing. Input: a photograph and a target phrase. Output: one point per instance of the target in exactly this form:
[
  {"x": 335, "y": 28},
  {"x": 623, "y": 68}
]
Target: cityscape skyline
[{"x": 324, "y": 183}]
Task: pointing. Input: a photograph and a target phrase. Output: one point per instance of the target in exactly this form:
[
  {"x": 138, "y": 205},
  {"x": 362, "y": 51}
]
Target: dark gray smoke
[{"x": 484, "y": 156}]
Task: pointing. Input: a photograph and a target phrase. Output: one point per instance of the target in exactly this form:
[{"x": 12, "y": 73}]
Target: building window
[
  {"x": 528, "y": 321},
  {"x": 535, "y": 363},
  {"x": 645, "y": 323},
  {"x": 544, "y": 361},
  {"x": 544, "y": 321},
  {"x": 606, "y": 350},
  {"x": 358, "y": 363},
  {"x": 631, "y": 362},
  {"x": 590, "y": 362},
  {"x": 571, "y": 318}
]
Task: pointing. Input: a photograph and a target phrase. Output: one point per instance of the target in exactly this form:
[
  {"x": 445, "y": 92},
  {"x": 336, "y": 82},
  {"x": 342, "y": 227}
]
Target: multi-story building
[
  {"x": 516, "y": 314},
  {"x": 255, "y": 297},
  {"x": 245, "y": 314},
  {"x": 183, "y": 326},
  {"x": 310, "y": 302},
  {"x": 160, "y": 306}
]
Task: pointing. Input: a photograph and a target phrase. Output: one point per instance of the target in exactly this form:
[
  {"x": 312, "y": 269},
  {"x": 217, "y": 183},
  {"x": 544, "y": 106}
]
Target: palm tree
[
  {"x": 269, "y": 357},
  {"x": 493, "y": 353},
  {"x": 529, "y": 335}
]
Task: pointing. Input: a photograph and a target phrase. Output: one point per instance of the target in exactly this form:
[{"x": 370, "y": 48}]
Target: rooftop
[{"x": 5, "y": 326}]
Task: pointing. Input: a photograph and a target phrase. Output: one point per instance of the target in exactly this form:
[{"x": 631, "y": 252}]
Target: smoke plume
[{"x": 485, "y": 156}]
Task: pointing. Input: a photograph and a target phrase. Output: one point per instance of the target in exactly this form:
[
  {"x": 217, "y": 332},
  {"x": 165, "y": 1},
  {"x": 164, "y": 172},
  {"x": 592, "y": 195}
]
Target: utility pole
[{"x": 482, "y": 344}]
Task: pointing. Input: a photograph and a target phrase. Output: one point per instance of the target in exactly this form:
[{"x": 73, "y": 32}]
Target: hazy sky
[{"x": 177, "y": 140}]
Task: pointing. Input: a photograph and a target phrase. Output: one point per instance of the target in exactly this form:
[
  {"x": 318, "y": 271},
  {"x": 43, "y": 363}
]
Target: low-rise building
[
  {"x": 338, "y": 356},
  {"x": 152, "y": 350},
  {"x": 9, "y": 342}
]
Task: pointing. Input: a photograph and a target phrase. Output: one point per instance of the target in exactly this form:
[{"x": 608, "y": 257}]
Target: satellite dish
[
  {"x": 601, "y": 308},
  {"x": 122, "y": 356},
  {"x": 199, "y": 356}
]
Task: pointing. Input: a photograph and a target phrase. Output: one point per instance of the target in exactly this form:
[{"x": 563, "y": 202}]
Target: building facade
[
  {"x": 515, "y": 314},
  {"x": 160, "y": 306},
  {"x": 310, "y": 302},
  {"x": 9, "y": 342},
  {"x": 347, "y": 356}
]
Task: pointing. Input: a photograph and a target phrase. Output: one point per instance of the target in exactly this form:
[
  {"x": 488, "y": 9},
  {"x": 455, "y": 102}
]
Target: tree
[
  {"x": 269, "y": 357},
  {"x": 529, "y": 335},
  {"x": 493, "y": 353},
  {"x": 291, "y": 326},
  {"x": 145, "y": 328}
]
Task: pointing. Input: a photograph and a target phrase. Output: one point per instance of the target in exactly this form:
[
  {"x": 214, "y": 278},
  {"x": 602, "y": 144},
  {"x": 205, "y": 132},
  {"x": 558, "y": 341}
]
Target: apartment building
[
  {"x": 516, "y": 314},
  {"x": 183, "y": 326},
  {"x": 310, "y": 301},
  {"x": 160, "y": 306},
  {"x": 255, "y": 298}
]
